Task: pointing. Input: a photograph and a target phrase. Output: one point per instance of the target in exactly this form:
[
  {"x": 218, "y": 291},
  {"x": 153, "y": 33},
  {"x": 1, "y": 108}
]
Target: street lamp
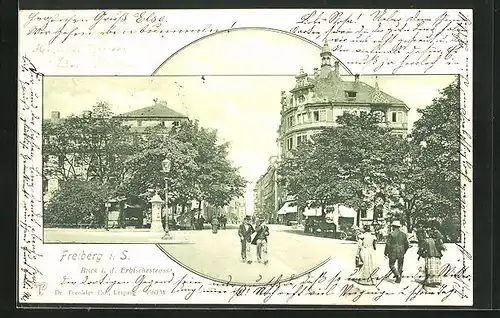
[
  {"x": 107, "y": 205},
  {"x": 166, "y": 165}
]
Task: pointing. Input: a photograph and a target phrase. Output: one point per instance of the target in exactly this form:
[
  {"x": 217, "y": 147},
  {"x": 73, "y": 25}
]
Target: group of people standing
[
  {"x": 431, "y": 247},
  {"x": 253, "y": 236}
]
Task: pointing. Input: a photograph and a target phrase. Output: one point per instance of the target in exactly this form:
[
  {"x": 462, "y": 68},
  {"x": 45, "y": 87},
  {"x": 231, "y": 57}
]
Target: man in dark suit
[
  {"x": 395, "y": 249},
  {"x": 260, "y": 241},
  {"x": 245, "y": 232}
]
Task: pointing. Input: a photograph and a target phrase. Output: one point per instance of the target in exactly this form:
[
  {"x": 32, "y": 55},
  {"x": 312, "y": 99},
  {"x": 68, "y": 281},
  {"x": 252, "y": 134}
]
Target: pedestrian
[
  {"x": 201, "y": 222},
  {"x": 260, "y": 240},
  {"x": 215, "y": 224},
  {"x": 431, "y": 249},
  {"x": 395, "y": 250},
  {"x": 245, "y": 232},
  {"x": 367, "y": 245}
]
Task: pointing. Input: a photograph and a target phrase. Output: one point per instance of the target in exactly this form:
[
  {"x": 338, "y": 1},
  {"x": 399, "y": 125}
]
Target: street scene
[
  {"x": 320, "y": 166},
  {"x": 206, "y": 253}
]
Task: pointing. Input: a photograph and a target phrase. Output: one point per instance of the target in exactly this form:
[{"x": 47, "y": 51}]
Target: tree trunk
[
  {"x": 199, "y": 205},
  {"x": 358, "y": 216},
  {"x": 183, "y": 208}
]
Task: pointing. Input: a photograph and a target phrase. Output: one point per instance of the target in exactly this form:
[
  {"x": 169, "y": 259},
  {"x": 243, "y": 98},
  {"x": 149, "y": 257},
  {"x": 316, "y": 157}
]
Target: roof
[
  {"x": 158, "y": 110},
  {"x": 333, "y": 88}
]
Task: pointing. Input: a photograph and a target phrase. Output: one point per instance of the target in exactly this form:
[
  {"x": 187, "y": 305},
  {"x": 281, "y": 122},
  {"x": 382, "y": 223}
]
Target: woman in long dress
[
  {"x": 431, "y": 249},
  {"x": 366, "y": 253}
]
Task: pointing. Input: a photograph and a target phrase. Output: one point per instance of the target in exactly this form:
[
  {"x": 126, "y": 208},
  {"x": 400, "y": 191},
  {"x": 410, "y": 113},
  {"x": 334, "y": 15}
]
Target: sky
[{"x": 239, "y": 94}]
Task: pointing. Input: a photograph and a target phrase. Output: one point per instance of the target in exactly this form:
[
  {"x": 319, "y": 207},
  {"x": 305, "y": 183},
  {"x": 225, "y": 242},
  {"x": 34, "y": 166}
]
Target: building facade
[
  {"x": 318, "y": 99},
  {"x": 266, "y": 193},
  {"x": 314, "y": 103}
]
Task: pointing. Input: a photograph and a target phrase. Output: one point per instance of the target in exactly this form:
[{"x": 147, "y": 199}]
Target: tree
[
  {"x": 78, "y": 202},
  {"x": 345, "y": 164},
  {"x": 200, "y": 168},
  {"x": 432, "y": 177},
  {"x": 218, "y": 180},
  {"x": 86, "y": 147},
  {"x": 144, "y": 170}
]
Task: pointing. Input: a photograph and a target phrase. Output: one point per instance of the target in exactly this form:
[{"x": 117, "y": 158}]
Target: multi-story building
[
  {"x": 315, "y": 102},
  {"x": 266, "y": 192},
  {"x": 158, "y": 115},
  {"x": 318, "y": 99}
]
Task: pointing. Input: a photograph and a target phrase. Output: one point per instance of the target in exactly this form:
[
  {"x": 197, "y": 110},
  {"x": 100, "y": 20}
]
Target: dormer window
[
  {"x": 302, "y": 99},
  {"x": 350, "y": 94}
]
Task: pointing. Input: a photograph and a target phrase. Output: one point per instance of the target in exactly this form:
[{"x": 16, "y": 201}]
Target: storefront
[{"x": 288, "y": 214}]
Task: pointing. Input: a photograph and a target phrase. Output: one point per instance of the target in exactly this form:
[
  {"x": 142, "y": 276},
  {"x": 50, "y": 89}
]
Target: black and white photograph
[
  {"x": 263, "y": 174},
  {"x": 256, "y": 158}
]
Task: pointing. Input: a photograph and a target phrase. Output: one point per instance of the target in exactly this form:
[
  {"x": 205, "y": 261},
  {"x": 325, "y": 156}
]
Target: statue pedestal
[{"x": 156, "y": 204}]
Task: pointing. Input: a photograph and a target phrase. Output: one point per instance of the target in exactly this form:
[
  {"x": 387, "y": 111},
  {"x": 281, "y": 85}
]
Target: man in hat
[
  {"x": 395, "y": 249},
  {"x": 245, "y": 232},
  {"x": 260, "y": 240}
]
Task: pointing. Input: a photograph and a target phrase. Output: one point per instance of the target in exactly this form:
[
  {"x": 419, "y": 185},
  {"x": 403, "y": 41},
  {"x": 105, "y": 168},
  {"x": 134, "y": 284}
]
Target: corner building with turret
[
  {"x": 314, "y": 103},
  {"x": 319, "y": 98}
]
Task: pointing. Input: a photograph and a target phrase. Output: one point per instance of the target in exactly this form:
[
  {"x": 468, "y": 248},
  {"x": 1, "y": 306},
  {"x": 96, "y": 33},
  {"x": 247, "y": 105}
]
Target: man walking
[
  {"x": 395, "y": 249},
  {"x": 261, "y": 241},
  {"x": 245, "y": 232}
]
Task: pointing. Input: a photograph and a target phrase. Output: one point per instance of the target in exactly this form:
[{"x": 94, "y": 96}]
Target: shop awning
[
  {"x": 287, "y": 208},
  {"x": 312, "y": 212},
  {"x": 346, "y": 212}
]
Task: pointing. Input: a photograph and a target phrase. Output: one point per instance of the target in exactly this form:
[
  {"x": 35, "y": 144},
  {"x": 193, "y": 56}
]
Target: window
[
  {"x": 322, "y": 115},
  {"x": 175, "y": 124},
  {"x": 350, "y": 94},
  {"x": 305, "y": 117},
  {"x": 302, "y": 118},
  {"x": 316, "y": 115},
  {"x": 289, "y": 143},
  {"x": 397, "y": 117},
  {"x": 290, "y": 121},
  {"x": 301, "y": 139},
  {"x": 302, "y": 99}
]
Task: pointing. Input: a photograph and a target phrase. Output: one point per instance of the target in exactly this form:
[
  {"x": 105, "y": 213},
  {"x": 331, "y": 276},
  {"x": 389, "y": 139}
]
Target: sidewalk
[
  {"x": 299, "y": 230},
  {"x": 113, "y": 236}
]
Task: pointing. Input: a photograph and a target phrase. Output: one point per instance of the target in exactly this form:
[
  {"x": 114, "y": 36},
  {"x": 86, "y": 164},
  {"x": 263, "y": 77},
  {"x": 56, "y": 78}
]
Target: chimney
[
  {"x": 337, "y": 72},
  {"x": 316, "y": 72},
  {"x": 55, "y": 115},
  {"x": 356, "y": 78}
]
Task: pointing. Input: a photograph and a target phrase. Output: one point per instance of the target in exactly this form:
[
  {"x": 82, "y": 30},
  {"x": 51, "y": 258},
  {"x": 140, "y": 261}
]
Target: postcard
[{"x": 268, "y": 157}]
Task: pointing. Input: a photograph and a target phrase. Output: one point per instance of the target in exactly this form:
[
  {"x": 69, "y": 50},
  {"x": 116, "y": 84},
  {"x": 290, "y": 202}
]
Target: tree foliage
[
  {"x": 78, "y": 202},
  {"x": 343, "y": 164},
  {"x": 86, "y": 147},
  {"x": 350, "y": 163},
  {"x": 432, "y": 176},
  {"x": 200, "y": 168},
  {"x": 99, "y": 151}
]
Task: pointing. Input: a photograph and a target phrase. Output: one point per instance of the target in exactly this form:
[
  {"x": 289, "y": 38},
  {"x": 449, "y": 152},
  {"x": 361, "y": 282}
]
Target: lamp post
[
  {"x": 166, "y": 165},
  {"x": 107, "y": 205}
]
